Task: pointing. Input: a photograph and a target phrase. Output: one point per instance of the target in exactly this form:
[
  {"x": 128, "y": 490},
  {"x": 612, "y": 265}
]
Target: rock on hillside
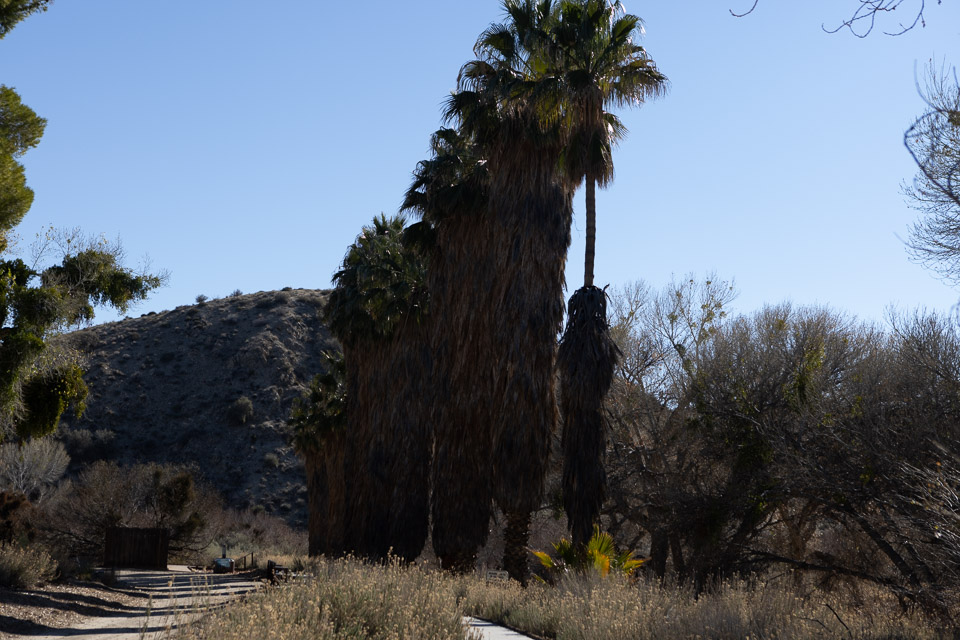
[{"x": 210, "y": 385}]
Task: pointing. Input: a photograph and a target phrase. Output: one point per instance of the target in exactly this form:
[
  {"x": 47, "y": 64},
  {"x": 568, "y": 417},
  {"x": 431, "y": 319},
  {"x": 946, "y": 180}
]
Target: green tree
[
  {"x": 594, "y": 46},
  {"x": 37, "y": 382},
  {"x": 13, "y": 11},
  {"x": 20, "y": 131}
]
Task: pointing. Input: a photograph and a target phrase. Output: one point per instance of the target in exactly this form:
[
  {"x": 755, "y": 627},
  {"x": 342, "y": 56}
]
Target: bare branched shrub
[
  {"x": 32, "y": 468},
  {"x": 794, "y": 437}
]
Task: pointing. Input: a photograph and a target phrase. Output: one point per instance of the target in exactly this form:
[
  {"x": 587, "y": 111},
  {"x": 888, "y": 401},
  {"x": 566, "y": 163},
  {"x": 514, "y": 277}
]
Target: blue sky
[{"x": 242, "y": 145}]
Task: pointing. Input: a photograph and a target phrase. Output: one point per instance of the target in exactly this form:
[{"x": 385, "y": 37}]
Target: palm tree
[
  {"x": 593, "y": 46},
  {"x": 450, "y": 192},
  {"x": 377, "y": 312},
  {"x": 318, "y": 436},
  {"x": 509, "y": 104}
]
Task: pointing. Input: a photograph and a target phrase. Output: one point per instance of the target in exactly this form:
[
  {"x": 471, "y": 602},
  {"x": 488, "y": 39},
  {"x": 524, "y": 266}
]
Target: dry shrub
[
  {"x": 261, "y": 534},
  {"x": 590, "y": 608},
  {"x": 347, "y": 599},
  {"x": 25, "y": 567}
]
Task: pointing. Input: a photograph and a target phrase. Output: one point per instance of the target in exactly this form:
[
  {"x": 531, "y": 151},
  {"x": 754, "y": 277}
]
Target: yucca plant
[{"x": 599, "y": 555}]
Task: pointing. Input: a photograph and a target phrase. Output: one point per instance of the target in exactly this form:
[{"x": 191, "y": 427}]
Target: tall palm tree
[
  {"x": 594, "y": 48},
  {"x": 318, "y": 436},
  {"x": 511, "y": 106},
  {"x": 449, "y": 192},
  {"x": 377, "y": 312}
]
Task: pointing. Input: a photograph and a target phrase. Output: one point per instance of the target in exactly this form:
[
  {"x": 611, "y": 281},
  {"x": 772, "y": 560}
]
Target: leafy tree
[
  {"x": 594, "y": 45},
  {"x": 20, "y": 131},
  {"x": 37, "y": 382},
  {"x": 792, "y": 436},
  {"x": 13, "y": 11}
]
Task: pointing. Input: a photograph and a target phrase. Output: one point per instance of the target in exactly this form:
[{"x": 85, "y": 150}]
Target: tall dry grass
[
  {"x": 351, "y": 599},
  {"x": 591, "y": 608},
  {"x": 345, "y": 599}
]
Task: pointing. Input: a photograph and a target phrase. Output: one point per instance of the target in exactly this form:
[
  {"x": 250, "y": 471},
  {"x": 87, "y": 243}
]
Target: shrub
[
  {"x": 201, "y": 299},
  {"x": 25, "y": 567},
  {"x": 16, "y": 518},
  {"x": 235, "y": 294},
  {"x": 253, "y": 531},
  {"x": 241, "y": 410},
  {"x": 85, "y": 446},
  {"x": 144, "y": 495},
  {"x": 32, "y": 467},
  {"x": 347, "y": 599}
]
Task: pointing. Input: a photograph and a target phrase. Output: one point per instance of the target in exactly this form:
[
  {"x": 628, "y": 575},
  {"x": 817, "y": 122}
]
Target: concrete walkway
[
  {"x": 490, "y": 631},
  {"x": 175, "y": 598}
]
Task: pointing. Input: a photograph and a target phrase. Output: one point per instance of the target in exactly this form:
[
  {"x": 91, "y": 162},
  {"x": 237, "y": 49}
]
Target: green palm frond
[
  {"x": 598, "y": 554},
  {"x": 380, "y": 283},
  {"x": 319, "y": 414}
]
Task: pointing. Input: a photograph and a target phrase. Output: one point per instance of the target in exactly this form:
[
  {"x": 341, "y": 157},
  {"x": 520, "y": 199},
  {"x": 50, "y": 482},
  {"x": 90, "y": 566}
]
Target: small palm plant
[{"x": 599, "y": 554}]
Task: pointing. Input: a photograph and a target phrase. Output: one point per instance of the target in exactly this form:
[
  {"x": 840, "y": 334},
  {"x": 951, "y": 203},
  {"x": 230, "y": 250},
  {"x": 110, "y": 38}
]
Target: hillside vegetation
[{"x": 210, "y": 385}]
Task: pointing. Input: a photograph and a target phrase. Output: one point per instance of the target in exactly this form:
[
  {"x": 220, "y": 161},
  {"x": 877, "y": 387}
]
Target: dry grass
[
  {"x": 347, "y": 599},
  {"x": 589, "y": 608},
  {"x": 350, "y": 599},
  {"x": 25, "y": 567}
]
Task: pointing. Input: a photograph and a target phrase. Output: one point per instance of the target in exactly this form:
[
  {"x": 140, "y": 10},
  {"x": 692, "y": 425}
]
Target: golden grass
[
  {"x": 591, "y": 608},
  {"x": 345, "y": 599},
  {"x": 351, "y": 599}
]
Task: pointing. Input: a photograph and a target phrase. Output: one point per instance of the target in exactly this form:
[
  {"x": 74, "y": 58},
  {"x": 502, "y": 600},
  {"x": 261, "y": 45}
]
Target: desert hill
[{"x": 210, "y": 384}]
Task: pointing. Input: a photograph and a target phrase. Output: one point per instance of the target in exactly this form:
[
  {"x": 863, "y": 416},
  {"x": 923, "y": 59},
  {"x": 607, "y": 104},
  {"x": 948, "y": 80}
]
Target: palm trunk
[
  {"x": 326, "y": 491},
  {"x": 586, "y": 359},
  {"x": 589, "y": 254},
  {"x": 461, "y": 276},
  {"x": 515, "y": 538}
]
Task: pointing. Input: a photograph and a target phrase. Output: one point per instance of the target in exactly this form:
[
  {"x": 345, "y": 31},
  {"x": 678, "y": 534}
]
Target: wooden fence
[{"x": 136, "y": 548}]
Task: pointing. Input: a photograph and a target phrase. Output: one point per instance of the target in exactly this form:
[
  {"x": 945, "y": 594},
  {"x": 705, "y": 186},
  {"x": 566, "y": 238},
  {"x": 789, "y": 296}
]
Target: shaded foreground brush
[{"x": 347, "y": 598}]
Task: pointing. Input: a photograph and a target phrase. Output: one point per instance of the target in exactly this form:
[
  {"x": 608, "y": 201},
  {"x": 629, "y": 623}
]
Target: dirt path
[{"x": 173, "y": 598}]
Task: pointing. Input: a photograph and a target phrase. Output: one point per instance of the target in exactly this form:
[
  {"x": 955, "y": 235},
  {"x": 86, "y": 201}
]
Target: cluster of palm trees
[{"x": 449, "y": 326}]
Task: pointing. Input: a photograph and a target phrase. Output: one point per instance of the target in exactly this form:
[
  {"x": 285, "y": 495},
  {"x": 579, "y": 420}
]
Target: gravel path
[
  {"x": 173, "y": 598},
  {"x": 152, "y": 604}
]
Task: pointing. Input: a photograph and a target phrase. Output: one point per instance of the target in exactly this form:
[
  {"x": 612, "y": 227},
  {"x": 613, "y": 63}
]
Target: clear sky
[{"x": 242, "y": 145}]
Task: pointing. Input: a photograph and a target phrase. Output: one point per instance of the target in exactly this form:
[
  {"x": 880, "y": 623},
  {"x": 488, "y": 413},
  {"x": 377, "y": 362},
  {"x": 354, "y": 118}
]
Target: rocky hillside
[{"x": 210, "y": 385}]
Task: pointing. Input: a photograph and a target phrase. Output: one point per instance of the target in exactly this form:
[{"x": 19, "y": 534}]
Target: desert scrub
[
  {"x": 25, "y": 567},
  {"x": 241, "y": 410},
  {"x": 346, "y": 599},
  {"x": 586, "y": 607}
]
